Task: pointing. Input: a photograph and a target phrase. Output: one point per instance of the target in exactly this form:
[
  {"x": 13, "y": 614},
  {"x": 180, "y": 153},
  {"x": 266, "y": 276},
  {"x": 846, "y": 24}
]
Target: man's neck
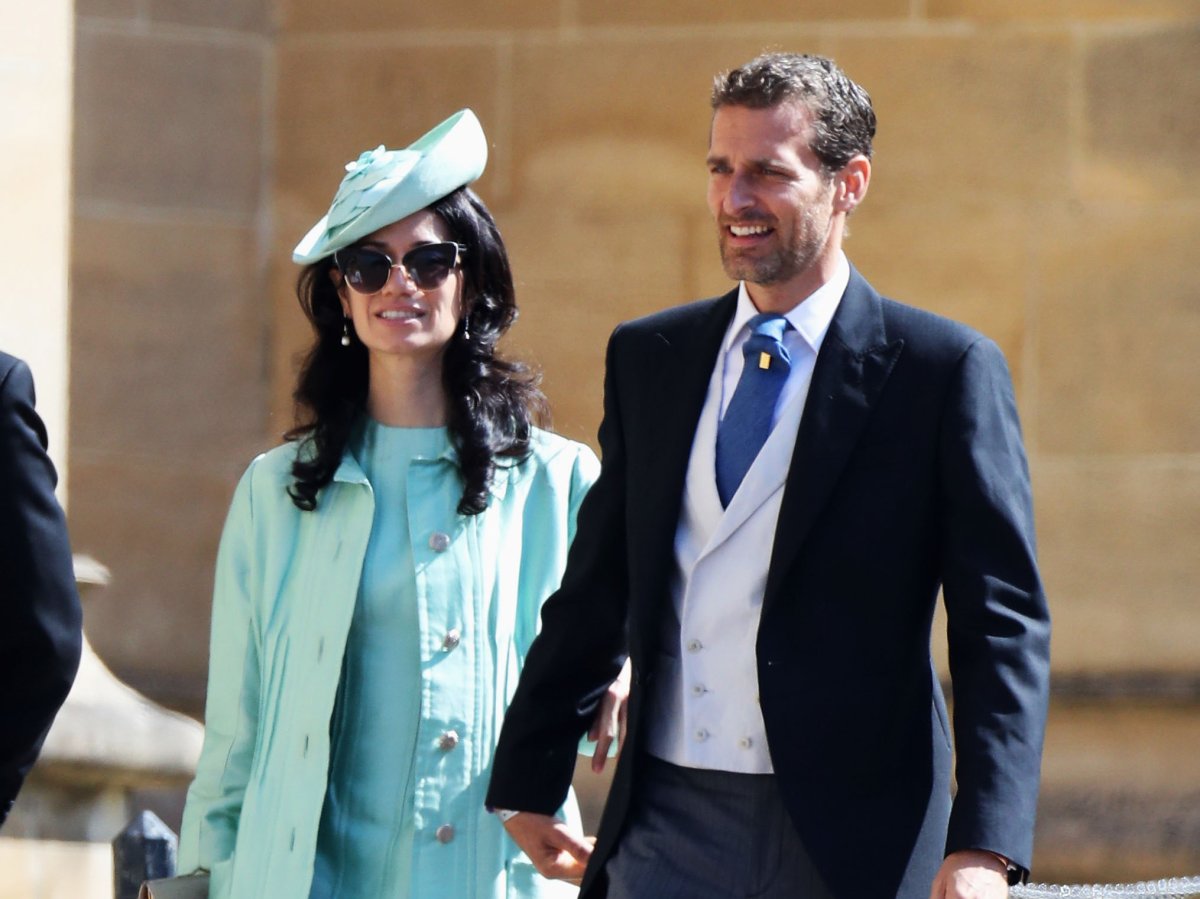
[{"x": 783, "y": 296}]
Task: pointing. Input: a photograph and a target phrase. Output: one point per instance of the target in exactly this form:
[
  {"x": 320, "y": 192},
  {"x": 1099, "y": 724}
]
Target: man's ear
[{"x": 852, "y": 183}]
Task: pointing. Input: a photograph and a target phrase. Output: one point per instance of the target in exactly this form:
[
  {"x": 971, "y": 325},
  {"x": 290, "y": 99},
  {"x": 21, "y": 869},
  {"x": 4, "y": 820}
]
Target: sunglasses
[{"x": 428, "y": 266}]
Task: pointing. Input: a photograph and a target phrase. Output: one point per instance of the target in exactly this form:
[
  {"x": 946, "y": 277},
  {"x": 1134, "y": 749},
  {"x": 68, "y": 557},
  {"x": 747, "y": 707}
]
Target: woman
[{"x": 380, "y": 575}]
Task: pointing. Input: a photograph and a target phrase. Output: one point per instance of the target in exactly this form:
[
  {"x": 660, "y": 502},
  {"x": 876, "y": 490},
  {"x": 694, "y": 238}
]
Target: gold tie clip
[{"x": 764, "y": 360}]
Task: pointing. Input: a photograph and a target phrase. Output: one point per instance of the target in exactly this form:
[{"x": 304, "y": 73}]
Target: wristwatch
[{"x": 1015, "y": 873}]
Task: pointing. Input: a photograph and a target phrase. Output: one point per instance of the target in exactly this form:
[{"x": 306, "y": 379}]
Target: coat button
[
  {"x": 452, "y": 639},
  {"x": 439, "y": 541},
  {"x": 445, "y": 833},
  {"x": 448, "y": 740}
]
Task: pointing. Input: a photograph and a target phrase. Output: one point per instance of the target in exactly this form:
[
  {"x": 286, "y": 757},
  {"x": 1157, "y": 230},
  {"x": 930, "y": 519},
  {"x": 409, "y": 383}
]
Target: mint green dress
[{"x": 365, "y": 842}]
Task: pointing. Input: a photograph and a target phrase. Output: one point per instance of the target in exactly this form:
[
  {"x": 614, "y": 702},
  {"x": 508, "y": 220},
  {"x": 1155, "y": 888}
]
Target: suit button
[
  {"x": 448, "y": 740},
  {"x": 452, "y": 639},
  {"x": 694, "y": 645},
  {"x": 439, "y": 541},
  {"x": 445, "y": 833},
  {"x": 700, "y": 735}
]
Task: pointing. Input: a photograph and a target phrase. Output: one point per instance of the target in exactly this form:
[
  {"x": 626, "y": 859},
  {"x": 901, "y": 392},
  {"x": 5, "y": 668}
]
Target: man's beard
[{"x": 784, "y": 263}]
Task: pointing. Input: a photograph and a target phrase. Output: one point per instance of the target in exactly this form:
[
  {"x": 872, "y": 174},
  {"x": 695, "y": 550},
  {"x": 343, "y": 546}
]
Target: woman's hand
[
  {"x": 555, "y": 851},
  {"x": 609, "y": 723}
]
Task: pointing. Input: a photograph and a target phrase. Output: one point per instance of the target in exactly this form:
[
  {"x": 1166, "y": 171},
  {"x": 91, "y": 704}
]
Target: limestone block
[
  {"x": 108, "y": 9},
  {"x": 627, "y": 130},
  {"x": 578, "y": 275},
  {"x": 156, "y": 523},
  {"x": 1118, "y": 556},
  {"x": 703, "y": 12},
  {"x": 1067, "y": 10},
  {"x": 167, "y": 339},
  {"x": 165, "y": 121},
  {"x": 982, "y": 115},
  {"x": 242, "y": 15},
  {"x": 52, "y": 868},
  {"x": 1118, "y": 324},
  {"x": 965, "y": 260},
  {"x": 1141, "y": 131},
  {"x": 338, "y": 96},
  {"x": 447, "y": 18},
  {"x": 1119, "y": 800},
  {"x": 1139, "y": 747}
]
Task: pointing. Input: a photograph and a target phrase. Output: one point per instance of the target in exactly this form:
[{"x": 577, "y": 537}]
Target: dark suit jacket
[
  {"x": 40, "y": 619},
  {"x": 908, "y": 475}
]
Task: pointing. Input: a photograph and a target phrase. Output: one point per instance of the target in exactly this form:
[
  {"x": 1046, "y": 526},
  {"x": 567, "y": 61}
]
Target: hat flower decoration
[{"x": 384, "y": 186}]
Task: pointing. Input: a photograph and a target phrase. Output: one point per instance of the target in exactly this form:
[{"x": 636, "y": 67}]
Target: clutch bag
[{"x": 186, "y": 886}]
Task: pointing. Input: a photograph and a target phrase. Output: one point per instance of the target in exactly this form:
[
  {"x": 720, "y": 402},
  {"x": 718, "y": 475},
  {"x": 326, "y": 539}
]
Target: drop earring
[
  {"x": 466, "y": 330},
  {"x": 345, "y": 331}
]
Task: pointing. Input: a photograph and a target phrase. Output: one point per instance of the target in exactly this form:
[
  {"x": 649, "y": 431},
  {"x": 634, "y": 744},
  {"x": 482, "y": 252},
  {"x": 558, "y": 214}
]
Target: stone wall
[
  {"x": 169, "y": 329},
  {"x": 1034, "y": 177}
]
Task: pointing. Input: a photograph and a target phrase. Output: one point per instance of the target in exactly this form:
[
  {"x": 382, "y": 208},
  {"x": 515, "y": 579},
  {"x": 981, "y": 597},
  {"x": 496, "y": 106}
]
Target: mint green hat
[{"x": 383, "y": 186}]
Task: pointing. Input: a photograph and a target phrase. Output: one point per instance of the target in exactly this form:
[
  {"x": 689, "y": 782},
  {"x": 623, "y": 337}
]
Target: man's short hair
[{"x": 843, "y": 119}]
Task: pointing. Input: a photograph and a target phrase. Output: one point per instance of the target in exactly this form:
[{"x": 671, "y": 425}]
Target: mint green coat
[{"x": 286, "y": 585}]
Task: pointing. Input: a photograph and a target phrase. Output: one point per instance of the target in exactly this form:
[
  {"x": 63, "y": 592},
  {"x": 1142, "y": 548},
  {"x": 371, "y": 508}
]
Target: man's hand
[
  {"x": 970, "y": 874},
  {"x": 610, "y": 719},
  {"x": 555, "y": 851}
]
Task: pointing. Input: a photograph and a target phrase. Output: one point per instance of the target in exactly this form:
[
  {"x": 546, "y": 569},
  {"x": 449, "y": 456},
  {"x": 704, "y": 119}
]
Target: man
[
  {"x": 40, "y": 618},
  {"x": 787, "y": 735}
]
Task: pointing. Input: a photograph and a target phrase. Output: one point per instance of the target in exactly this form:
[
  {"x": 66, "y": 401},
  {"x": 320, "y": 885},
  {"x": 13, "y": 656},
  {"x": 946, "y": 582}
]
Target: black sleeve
[
  {"x": 40, "y": 618},
  {"x": 582, "y": 643}
]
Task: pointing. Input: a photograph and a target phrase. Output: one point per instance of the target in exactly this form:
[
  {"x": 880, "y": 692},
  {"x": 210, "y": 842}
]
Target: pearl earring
[{"x": 345, "y": 331}]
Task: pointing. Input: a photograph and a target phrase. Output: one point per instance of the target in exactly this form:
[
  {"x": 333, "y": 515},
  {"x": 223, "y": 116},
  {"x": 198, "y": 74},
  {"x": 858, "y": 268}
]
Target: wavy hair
[
  {"x": 492, "y": 403},
  {"x": 843, "y": 119}
]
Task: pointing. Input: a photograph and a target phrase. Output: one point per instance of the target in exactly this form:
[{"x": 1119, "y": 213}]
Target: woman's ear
[{"x": 339, "y": 284}]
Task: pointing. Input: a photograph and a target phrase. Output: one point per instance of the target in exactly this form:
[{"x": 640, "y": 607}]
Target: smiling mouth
[
  {"x": 749, "y": 230},
  {"x": 400, "y": 314}
]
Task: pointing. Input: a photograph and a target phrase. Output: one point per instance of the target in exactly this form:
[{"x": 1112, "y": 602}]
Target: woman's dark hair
[{"x": 492, "y": 402}]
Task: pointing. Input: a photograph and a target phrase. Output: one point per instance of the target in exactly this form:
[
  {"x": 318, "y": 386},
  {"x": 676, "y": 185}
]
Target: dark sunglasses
[{"x": 367, "y": 270}]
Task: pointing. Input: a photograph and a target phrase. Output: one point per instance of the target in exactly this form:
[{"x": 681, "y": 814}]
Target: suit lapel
[
  {"x": 851, "y": 370},
  {"x": 676, "y": 384}
]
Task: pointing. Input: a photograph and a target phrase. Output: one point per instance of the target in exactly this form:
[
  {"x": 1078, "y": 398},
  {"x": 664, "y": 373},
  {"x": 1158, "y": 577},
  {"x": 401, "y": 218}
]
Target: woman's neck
[{"x": 406, "y": 393}]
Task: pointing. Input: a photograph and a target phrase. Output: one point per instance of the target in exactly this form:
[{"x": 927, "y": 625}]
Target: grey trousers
[{"x": 696, "y": 834}]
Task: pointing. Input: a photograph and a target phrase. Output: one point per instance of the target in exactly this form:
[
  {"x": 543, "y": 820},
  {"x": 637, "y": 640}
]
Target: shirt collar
[{"x": 810, "y": 317}]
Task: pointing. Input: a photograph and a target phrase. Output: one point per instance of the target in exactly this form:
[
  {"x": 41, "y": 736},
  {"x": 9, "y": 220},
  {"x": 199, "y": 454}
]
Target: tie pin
[{"x": 764, "y": 360}]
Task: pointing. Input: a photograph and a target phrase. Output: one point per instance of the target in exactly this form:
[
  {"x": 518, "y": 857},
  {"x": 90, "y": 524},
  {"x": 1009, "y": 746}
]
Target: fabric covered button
[
  {"x": 439, "y": 541},
  {"x": 448, "y": 740},
  {"x": 445, "y": 833}
]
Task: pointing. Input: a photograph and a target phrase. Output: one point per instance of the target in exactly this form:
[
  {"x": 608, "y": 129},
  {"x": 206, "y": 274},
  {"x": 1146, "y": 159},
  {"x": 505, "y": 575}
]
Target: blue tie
[{"x": 747, "y": 421}]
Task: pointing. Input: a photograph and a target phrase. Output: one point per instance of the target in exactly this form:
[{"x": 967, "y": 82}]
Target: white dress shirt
[{"x": 704, "y": 710}]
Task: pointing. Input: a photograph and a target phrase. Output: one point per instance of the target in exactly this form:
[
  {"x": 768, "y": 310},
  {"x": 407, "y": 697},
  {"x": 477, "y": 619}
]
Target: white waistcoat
[{"x": 704, "y": 710}]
